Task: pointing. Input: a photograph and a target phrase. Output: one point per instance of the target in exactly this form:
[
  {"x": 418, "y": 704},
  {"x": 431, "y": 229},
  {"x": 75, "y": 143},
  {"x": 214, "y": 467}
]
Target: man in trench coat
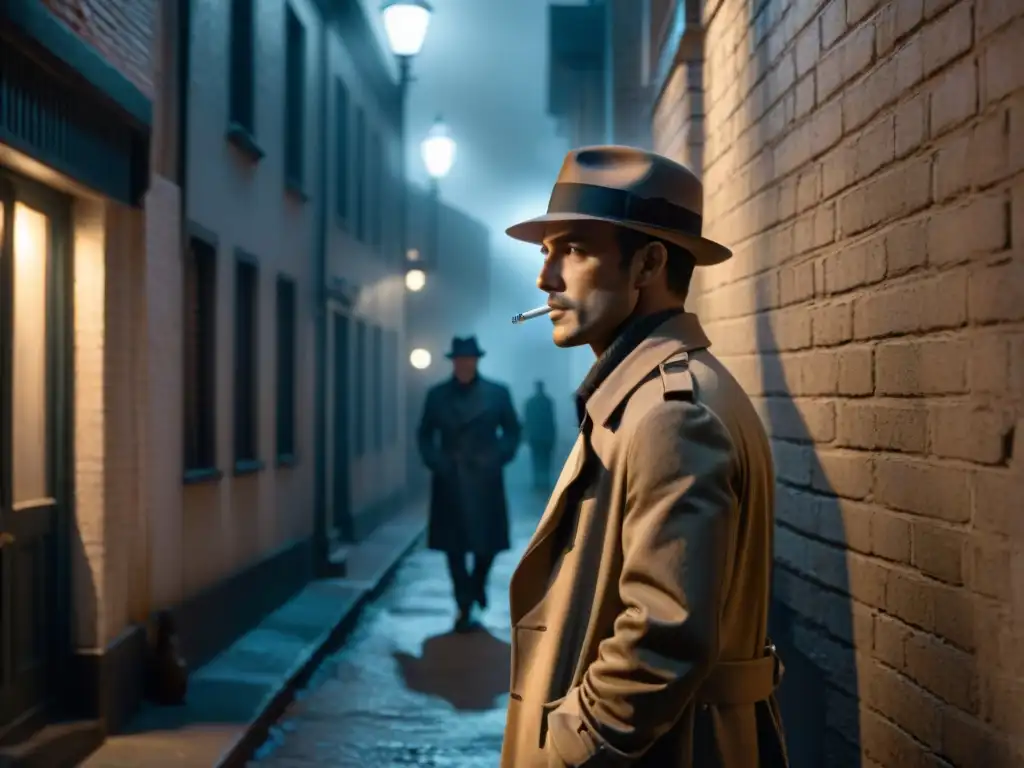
[
  {"x": 639, "y": 609},
  {"x": 468, "y": 433}
]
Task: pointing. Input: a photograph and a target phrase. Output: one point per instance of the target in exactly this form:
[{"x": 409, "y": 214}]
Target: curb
[{"x": 256, "y": 732}]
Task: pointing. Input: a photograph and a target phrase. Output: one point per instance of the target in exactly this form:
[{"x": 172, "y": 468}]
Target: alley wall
[{"x": 864, "y": 161}]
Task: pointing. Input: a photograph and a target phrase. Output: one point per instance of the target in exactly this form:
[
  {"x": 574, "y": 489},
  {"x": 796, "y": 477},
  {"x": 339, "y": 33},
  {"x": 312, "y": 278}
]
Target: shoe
[{"x": 466, "y": 622}]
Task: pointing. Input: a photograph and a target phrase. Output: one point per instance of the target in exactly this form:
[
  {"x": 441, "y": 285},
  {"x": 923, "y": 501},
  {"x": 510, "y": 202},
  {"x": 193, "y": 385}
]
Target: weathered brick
[
  {"x": 978, "y": 227},
  {"x": 954, "y": 97},
  {"x": 990, "y": 15},
  {"x": 936, "y": 367},
  {"x": 939, "y": 551},
  {"x": 924, "y": 488},
  {"x": 886, "y": 690},
  {"x": 947, "y": 37},
  {"x": 996, "y": 502},
  {"x": 987, "y": 567},
  {"x": 929, "y": 304},
  {"x": 895, "y": 194},
  {"x": 988, "y": 366},
  {"x": 832, "y": 324},
  {"x": 854, "y": 265},
  {"x": 891, "y": 536},
  {"x": 796, "y": 283},
  {"x": 997, "y": 293},
  {"x": 843, "y": 473},
  {"x": 906, "y": 247},
  {"x": 971, "y": 433},
  {"x": 911, "y": 127},
  {"x": 998, "y": 79},
  {"x": 856, "y": 371},
  {"x": 833, "y": 22},
  {"x": 895, "y": 21},
  {"x": 875, "y": 426},
  {"x": 945, "y": 671}
]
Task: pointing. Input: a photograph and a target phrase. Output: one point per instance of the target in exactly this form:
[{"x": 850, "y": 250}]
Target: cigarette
[{"x": 538, "y": 312}]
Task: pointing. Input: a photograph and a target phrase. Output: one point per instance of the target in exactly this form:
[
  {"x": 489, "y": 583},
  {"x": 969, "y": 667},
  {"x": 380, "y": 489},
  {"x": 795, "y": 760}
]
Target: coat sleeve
[
  {"x": 674, "y": 539},
  {"x": 426, "y": 435},
  {"x": 508, "y": 420}
]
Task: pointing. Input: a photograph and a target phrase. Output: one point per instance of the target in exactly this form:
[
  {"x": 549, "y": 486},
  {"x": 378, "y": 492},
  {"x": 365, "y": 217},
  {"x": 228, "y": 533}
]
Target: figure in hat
[
  {"x": 639, "y": 608},
  {"x": 468, "y": 433},
  {"x": 540, "y": 432}
]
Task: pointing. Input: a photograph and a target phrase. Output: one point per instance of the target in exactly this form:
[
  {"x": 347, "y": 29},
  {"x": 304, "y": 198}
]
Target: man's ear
[{"x": 650, "y": 260}]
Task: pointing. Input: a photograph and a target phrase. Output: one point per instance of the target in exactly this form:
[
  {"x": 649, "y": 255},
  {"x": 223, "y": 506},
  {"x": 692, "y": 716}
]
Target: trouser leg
[
  {"x": 481, "y": 570},
  {"x": 461, "y": 584}
]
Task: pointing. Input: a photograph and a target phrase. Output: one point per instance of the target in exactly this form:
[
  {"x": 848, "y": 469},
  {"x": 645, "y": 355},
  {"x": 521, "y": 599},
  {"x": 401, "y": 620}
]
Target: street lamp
[
  {"x": 438, "y": 152},
  {"x": 419, "y": 359},
  {"x": 415, "y": 279},
  {"x": 405, "y": 24}
]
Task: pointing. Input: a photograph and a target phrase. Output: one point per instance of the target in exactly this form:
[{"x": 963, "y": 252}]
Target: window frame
[
  {"x": 246, "y": 457},
  {"x": 201, "y": 465},
  {"x": 286, "y": 375}
]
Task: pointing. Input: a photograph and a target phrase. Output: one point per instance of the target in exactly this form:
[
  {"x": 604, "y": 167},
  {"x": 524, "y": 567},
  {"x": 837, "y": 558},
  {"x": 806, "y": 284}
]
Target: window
[
  {"x": 360, "y": 169},
  {"x": 285, "y": 369},
  {"x": 379, "y": 393},
  {"x": 391, "y": 369},
  {"x": 243, "y": 63},
  {"x": 246, "y": 369},
  {"x": 341, "y": 150},
  {"x": 295, "y": 100},
  {"x": 359, "y": 448},
  {"x": 375, "y": 192},
  {"x": 200, "y": 295}
]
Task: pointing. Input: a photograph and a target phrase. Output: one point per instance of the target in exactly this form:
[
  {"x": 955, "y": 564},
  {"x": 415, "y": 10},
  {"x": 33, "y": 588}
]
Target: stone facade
[{"x": 864, "y": 160}]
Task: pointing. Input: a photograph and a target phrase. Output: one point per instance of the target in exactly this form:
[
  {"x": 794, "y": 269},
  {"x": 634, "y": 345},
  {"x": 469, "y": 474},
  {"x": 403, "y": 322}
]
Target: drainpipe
[{"x": 320, "y": 317}]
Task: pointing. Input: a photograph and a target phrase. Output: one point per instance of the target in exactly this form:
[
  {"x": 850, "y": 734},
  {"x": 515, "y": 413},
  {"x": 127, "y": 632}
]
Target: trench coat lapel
[{"x": 680, "y": 333}]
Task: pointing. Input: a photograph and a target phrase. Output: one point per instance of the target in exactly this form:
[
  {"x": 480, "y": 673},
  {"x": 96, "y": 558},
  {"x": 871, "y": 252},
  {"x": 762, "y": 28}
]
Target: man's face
[
  {"x": 464, "y": 368},
  {"x": 588, "y": 285}
]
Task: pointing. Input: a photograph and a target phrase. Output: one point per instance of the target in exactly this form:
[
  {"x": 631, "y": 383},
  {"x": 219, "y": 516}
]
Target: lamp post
[{"x": 438, "y": 152}]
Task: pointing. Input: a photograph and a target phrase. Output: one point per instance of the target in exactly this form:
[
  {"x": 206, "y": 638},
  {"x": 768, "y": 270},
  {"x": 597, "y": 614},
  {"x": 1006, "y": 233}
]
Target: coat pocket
[{"x": 545, "y": 710}]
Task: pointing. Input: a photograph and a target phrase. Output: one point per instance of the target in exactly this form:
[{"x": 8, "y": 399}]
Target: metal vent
[{"x": 64, "y": 127}]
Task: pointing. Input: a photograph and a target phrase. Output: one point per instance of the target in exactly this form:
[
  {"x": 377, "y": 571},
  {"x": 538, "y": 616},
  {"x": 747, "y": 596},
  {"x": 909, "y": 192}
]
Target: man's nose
[{"x": 550, "y": 279}]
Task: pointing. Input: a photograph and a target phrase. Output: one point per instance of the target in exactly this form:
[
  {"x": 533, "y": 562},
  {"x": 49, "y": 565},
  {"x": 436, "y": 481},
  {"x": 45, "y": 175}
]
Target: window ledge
[
  {"x": 244, "y": 141},
  {"x": 294, "y": 188},
  {"x": 287, "y": 460},
  {"x": 202, "y": 475},
  {"x": 248, "y": 467}
]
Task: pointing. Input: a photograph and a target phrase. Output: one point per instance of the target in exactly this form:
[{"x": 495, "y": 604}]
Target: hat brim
[
  {"x": 478, "y": 353},
  {"x": 705, "y": 252}
]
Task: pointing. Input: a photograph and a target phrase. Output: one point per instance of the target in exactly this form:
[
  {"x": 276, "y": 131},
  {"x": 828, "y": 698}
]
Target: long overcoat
[
  {"x": 467, "y": 435},
  {"x": 639, "y": 631}
]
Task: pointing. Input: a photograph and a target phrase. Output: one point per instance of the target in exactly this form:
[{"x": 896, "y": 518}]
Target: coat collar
[{"x": 681, "y": 332}]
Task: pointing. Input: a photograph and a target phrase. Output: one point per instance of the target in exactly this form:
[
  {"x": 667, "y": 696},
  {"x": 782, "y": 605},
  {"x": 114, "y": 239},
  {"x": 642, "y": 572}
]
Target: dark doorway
[
  {"x": 341, "y": 518},
  {"x": 34, "y": 432}
]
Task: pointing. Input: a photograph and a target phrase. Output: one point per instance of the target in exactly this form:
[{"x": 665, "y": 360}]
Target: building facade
[
  {"x": 201, "y": 273},
  {"x": 86, "y": 199},
  {"x": 864, "y": 161}
]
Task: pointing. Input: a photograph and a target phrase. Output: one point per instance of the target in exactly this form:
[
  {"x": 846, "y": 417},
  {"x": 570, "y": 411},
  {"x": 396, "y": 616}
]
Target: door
[
  {"x": 32, "y": 616},
  {"x": 341, "y": 507}
]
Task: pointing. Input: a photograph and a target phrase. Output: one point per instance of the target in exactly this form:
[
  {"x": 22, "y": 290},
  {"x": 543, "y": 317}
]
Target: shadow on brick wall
[{"x": 812, "y": 615}]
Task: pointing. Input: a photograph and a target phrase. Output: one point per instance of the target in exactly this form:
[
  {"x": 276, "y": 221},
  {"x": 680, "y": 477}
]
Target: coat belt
[{"x": 742, "y": 682}]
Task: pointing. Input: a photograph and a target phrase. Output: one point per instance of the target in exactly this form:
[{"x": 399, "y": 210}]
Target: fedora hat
[
  {"x": 631, "y": 188},
  {"x": 466, "y": 347}
]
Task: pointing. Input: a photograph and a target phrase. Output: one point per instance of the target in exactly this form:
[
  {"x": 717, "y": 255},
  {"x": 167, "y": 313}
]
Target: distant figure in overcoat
[{"x": 468, "y": 434}]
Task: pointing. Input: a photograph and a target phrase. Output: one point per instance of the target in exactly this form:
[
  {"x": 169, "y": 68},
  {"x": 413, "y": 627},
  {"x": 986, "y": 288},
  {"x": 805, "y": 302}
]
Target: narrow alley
[{"x": 404, "y": 689}]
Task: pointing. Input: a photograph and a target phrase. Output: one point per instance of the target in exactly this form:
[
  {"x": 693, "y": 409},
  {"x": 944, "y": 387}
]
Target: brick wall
[
  {"x": 120, "y": 30},
  {"x": 864, "y": 160}
]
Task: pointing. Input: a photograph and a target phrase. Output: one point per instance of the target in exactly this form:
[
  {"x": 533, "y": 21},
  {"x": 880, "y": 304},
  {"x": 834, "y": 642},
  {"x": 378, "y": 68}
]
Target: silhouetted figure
[
  {"x": 168, "y": 672},
  {"x": 468, "y": 433},
  {"x": 640, "y": 607},
  {"x": 539, "y": 429}
]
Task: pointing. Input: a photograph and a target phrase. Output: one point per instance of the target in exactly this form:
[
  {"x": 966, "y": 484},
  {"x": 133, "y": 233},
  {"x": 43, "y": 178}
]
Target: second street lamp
[{"x": 438, "y": 152}]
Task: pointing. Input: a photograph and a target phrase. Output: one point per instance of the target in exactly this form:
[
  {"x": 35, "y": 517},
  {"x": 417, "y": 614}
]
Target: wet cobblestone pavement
[{"x": 405, "y": 690}]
